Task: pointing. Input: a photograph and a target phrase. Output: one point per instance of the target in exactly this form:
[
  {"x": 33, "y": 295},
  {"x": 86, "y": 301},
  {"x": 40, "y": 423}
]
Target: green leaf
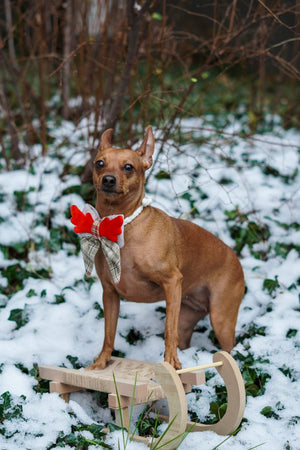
[
  {"x": 20, "y": 316},
  {"x": 55, "y": 242},
  {"x": 134, "y": 336},
  {"x": 18, "y": 250},
  {"x": 291, "y": 333},
  {"x": 5, "y": 403},
  {"x": 235, "y": 214},
  {"x": 217, "y": 410},
  {"x": 252, "y": 390},
  {"x": 74, "y": 361},
  {"x": 163, "y": 175},
  {"x": 255, "y": 381},
  {"x": 42, "y": 385},
  {"x": 97, "y": 430},
  {"x": 118, "y": 353},
  {"x": 289, "y": 373},
  {"x": 16, "y": 274},
  {"x": 252, "y": 330},
  {"x": 113, "y": 427},
  {"x": 223, "y": 409},
  {"x": 31, "y": 293},
  {"x": 21, "y": 199},
  {"x": 156, "y": 16},
  {"x": 59, "y": 298},
  {"x": 246, "y": 232},
  {"x": 268, "y": 412},
  {"x": 71, "y": 439},
  {"x": 61, "y": 235},
  {"x": 100, "y": 314},
  {"x": 271, "y": 285},
  {"x": 8, "y": 411},
  {"x": 282, "y": 249},
  {"x": 294, "y": 420}
]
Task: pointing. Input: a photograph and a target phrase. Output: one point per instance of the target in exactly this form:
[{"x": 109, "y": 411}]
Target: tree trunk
[{"x": 66, "y": 56}]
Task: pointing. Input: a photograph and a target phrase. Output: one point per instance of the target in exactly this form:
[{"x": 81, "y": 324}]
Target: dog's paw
[
  {"x": 99, "y": 363},
  {"x": 96, "y": 366},
  {"x": 174, "y": 361}
]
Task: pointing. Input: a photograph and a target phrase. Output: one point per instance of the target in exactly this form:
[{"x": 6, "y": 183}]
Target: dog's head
[{"x": 118, "y": 172}]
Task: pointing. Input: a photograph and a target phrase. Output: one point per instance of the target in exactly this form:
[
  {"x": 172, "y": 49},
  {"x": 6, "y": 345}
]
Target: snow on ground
[{"x": 244, "y": 190}]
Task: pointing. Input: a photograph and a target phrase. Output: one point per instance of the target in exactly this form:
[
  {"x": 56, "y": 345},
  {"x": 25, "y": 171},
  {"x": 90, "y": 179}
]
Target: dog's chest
[{"x": 135, "y": 285}]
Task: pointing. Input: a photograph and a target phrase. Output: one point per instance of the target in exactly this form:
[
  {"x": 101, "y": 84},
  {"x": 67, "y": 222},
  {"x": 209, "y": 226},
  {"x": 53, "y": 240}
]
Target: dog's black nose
[{"x": 109, "y": 182}]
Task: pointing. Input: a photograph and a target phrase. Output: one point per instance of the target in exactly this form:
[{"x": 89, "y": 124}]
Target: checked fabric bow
[{"x": 95, "y": 232}]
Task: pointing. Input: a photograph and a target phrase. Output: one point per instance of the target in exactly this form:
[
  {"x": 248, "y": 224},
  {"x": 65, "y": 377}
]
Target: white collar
[{"x": 146, "y": 202}]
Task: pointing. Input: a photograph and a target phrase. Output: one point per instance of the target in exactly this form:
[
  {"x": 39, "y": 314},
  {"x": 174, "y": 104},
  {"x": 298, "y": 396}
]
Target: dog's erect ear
[
  {"x": 105, "y": 141},
  {"x": 147, "y": 148}
]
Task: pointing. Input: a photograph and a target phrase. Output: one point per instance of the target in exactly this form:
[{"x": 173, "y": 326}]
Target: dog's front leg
[
  {"x": 172, "y": 289},
  {"x": 111, "y": 305}
]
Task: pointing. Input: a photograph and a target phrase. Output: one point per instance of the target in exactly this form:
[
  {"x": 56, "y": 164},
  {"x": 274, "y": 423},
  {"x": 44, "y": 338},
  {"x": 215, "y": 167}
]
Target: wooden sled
[{"x": 142, "y": 382}]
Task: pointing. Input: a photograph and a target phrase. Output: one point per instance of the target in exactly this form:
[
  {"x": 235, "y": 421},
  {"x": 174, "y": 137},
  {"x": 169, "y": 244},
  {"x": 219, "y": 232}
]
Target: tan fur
[{"x": 163, "y": 258}]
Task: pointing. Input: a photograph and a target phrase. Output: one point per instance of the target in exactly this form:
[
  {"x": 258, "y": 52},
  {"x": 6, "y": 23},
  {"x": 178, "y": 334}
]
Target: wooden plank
[
  {"x": 93, "y": 380},
  {"x": 122, "y": 417},
  {"x": 62, "y": 388},
  {"x": 187, "y": 388},
  {"x": 124, "y": 400},
  {"x": 194, "y": 378}
]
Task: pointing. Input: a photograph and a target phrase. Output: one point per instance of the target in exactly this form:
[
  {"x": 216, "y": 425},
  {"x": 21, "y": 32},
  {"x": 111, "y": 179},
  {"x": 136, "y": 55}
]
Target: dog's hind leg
[
  {"x": 188, "y": 319},
  {"x": 224, "y": 307},
  {"x": 194, "y": 307}
]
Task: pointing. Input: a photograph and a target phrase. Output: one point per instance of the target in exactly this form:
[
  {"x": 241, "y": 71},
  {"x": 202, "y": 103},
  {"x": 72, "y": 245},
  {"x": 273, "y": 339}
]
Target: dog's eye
[
  {"x": 99, "y": 164},
  {"x": 128, "y": 168}
]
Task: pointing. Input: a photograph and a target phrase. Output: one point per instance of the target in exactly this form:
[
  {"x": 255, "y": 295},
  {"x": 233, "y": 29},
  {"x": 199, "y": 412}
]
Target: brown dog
[{"x": 163, "y": 258}]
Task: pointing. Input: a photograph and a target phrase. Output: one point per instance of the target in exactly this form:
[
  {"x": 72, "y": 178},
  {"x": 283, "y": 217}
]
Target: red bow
[{"x": 109, "y": 228}]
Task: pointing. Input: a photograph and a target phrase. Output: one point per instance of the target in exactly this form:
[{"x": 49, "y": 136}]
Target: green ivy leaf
[
  {"x": 217, "y": 410},
  {"x": 100, "y": 314},
  {"x": 31, "y": 293},
  {"x": 8, "y": 411},
  {"x": 97, "y": 430},
  {"x": 74, "y": 361},
  {"x": 291, "y": 333},
  {"x": 163, "y": 175},
  {"x": 20, "y": 316},
  {"x": 71, "y": 439},
  {"x": 5, "y": 403},
  {"x": 271, "y": 285},
  {"x": 59, "y": 298},
  {"x": 113, "y": 427},
  {"x": 269, "y": 412}
]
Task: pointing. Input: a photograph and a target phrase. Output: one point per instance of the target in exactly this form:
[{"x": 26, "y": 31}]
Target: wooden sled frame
[{"x": 141, "y": 382}]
